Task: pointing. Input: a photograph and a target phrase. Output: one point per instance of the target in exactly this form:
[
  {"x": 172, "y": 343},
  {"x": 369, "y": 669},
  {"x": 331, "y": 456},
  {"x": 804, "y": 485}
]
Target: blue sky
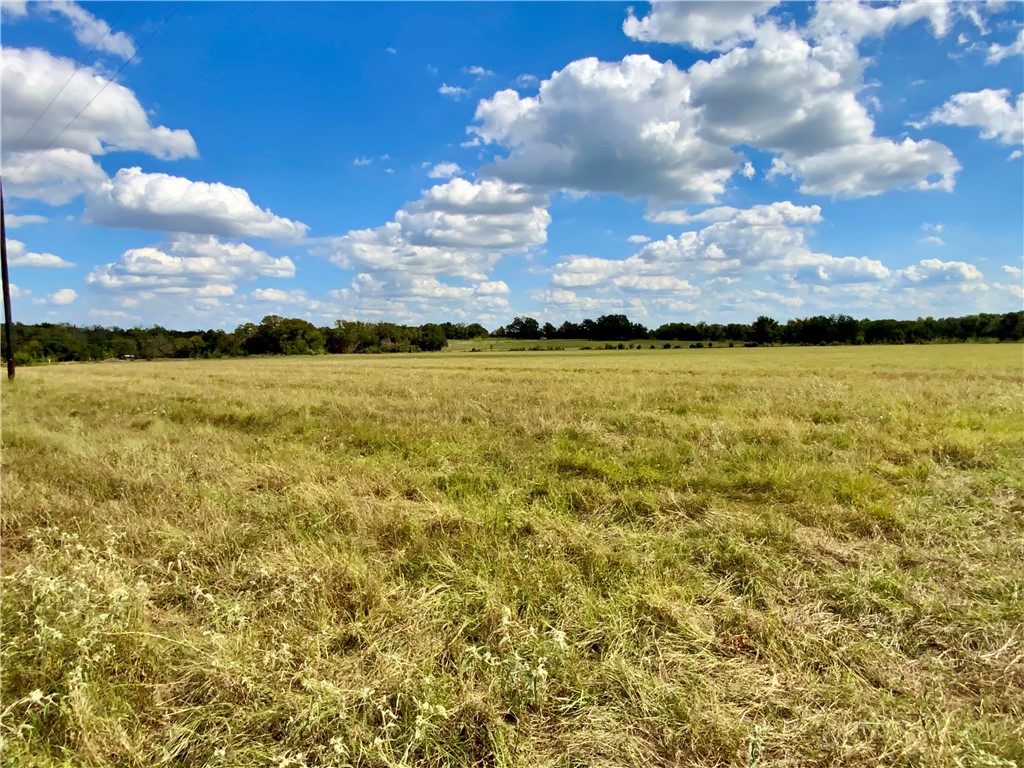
[{"x": 473, "y": 161}]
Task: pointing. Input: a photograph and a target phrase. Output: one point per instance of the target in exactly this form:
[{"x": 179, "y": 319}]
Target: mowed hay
[{"x": 742, "y": 557}]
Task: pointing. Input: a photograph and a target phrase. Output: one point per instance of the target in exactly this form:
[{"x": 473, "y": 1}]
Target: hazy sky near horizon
[{"x": 420, "y": 162}]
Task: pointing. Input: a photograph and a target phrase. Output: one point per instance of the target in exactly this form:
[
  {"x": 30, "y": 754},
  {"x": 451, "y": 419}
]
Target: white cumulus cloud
[
  {"x": 991, "y": 110},
  {"x": 855, "y": 20},
  {"x": 491, "y": 288},
  {"x": 19, "y": 256},
  {"x": 399, "y": 295},
  {"x": 705, "y": 26},
  {"x": 444, "y": 171},
  {"x": 434, "y": 257},
  {"x": 452, "y": 91},
  {"x": 624, "y": 127},
  {"x": 801, "y": 99},
  {"x": 278, "y": 296},
  {"x": 14, "y": 9},
  {"x": 776, "y": 297},
  {"x": 458, "y": 228},
  {"x": 133, "y": 199},
  {"x": 54, "y": 177},
  {"x": 48, "y": 154},
  {"x": 91, "y": 31},
  {"x": 997, "y": 52},
  {"x": 115, "y": 121},
  {"x": 189, "y": 265},
  {"x": 561, "y": 302},
  {"x": 936, "y": 271},
  {"x": 14, "y": 220},
  {"x": 767, "y": 239},
  {"x": 63, "y": 296},
  {"x": 640, "y": 127},
  {"x": 877, "y": 166}
]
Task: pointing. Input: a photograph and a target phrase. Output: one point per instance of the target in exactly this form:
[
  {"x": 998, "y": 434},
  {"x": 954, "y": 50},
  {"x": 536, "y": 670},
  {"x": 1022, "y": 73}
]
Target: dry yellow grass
[{"x": 698, "y": 558}]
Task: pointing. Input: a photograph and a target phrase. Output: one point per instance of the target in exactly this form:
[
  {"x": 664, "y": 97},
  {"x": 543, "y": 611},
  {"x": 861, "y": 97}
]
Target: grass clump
[{"x": 762, "y": 557}]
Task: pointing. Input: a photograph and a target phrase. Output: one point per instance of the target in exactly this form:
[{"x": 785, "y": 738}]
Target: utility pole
[{"x": 8, "y": 339}]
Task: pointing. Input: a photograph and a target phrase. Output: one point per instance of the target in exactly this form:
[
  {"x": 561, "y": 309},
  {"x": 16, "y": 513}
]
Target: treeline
[
  {"x": 274, "y": 335},
  {"x": 820, "y": 329},
  {"x": 605, "y": 328}
]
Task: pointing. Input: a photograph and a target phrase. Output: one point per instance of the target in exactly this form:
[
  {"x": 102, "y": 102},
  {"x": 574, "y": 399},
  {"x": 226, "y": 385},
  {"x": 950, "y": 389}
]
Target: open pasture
[{"x": 741, "y": 557}]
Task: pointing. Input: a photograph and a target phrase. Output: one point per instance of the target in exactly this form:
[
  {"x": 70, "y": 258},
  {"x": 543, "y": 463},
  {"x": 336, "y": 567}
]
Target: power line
[
  {"x": 96, "y": 96},
  {"x": 8, "y": 337},
  {"x": 110, "y": 28}
]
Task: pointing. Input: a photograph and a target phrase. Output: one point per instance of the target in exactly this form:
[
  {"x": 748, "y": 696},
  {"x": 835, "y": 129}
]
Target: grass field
[{"x": 749, "y": 557}]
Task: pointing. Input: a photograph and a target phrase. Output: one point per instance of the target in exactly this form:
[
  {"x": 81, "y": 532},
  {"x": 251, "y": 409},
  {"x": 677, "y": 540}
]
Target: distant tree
[
  {"x": 810, "y": 330},
  {"x": 883, "y": 332},
  {"x": 462, "y": 331},
  {"x": 569, "y": 330},
  {"x": 277, "y": 335},
  {"x": 613, "y": 328},
  {"x": 189, "y": 346},
  {"x": 715, "y": 332},
  {"x": 431, "y": 338},
  {"x": 1010, "y": 326},
  {"x": 158, "y": 344},
  {"x": 124, "y": 347},
  {"x": 523, "y": 328},
  {"x": 344, "y": 337},
  {"x": 846, "y": 330},
  {"x": 299, "y": 337},
  {"x": 765, "y": 330},
  {"x": 228, "y": 345},
  {"x": 737, "y": 331},
  {"x": 243, "y": 334}
]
